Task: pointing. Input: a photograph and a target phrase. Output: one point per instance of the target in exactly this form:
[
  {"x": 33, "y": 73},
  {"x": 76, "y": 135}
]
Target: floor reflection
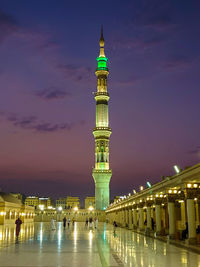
[
  {"x": 8, "y": 234},
  {"x": 137, "y": 250},
  {"x": 88, "y": 246}
]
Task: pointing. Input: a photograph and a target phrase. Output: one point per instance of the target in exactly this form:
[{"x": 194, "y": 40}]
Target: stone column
[
  {"x": 149, "y": 217},
  {"x": 126, "y": 217},
  {"x": 172, "y": 222},
  {"x": 134, "y": 218},
  {"x": 158, "y": 219},
  {"x": 183, "y": 214},
  {"x": 191, "y": 221},
  {"x": 120, "y": 217},
  {"x": 130, "y": 221},
  {"x": 197, "y": 213},
  {"x": 141, "y": 218}
]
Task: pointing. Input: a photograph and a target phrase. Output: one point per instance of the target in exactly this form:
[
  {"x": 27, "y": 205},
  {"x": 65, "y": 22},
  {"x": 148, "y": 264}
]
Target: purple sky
[{"x": 48, "y": 53}]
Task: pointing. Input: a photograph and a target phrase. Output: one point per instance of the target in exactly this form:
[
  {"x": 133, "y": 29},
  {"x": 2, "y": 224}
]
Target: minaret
[{"x": 102, "y": 173}]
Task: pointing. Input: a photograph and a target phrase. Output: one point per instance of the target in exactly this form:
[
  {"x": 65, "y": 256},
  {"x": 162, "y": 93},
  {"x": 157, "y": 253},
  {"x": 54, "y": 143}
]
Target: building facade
[
  {"x": 12, "y": 208},
  {"x": 170, "y": 207},
  {"x": 79, "y": 215},
  {"x": 72, "y": 202},
  {"x": 89, "y": 202},
  {"x": 61, "y": 202},
  {"x": 102, "y": 172},
  {"x": 32, "y": 201}
]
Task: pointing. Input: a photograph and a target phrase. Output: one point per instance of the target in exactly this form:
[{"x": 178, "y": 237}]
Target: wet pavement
[{"x": 38, "y": 245}]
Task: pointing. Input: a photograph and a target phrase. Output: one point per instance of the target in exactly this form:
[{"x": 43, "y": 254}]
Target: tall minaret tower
[{"x": 102, "y": 173}]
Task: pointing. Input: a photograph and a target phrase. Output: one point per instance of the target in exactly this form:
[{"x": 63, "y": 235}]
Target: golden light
[
  {"x": 170, "y": 191},
  {"x": 175, "y": 191},
  {"x": 41, "y": 207},
  {"x": 75, "y": 208},
  {"x": 189, "y": 185},
  {"x": 90, "y": 208},
  {"x": 195, "y": 185},
  {"x": 141, "y": 188}
]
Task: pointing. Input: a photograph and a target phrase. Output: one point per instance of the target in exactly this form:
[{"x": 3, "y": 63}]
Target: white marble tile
[{"x": 38, "y": 245}]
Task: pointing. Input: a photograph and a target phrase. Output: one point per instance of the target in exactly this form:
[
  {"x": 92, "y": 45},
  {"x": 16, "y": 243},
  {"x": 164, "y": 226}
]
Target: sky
[{"x": 48, "y": 53}]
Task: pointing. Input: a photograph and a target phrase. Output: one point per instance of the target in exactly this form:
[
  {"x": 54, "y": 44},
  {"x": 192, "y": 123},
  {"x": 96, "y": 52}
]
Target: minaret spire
[
  {"x": 101, "y": 43},
  {"x": 102, "y": 172}
]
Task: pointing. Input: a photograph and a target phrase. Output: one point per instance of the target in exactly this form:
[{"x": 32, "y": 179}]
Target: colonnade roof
[
  {"x": 177, "y": 182},
  {"x": 5, "y": 197}
]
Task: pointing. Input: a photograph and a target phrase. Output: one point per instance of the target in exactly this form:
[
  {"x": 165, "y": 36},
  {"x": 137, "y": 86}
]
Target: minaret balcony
[
  {"x": 102, "y": 131},
  {"x": 101, "y": 93},
  {"x": 101, "y": 96},
  {"x": 101, "y": 71}
]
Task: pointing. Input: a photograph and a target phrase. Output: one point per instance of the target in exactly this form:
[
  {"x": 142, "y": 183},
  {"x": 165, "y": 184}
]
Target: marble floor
[{"x": 38, "y": 245}]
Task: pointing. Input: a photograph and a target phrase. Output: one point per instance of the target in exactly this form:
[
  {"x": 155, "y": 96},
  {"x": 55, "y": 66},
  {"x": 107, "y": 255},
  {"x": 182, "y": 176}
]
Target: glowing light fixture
[
  {"x": 189, "y": 185},
  {"x": 134, "y": 191},
  {"x": 60, "y": 208},
  {"x": 41, "y": 207},
  {"x": 75, "y": 208},
  {"x": 141, "y": 188},
  {"x": 195, "y": 185},
  {"x": 91, "y": 208},
  {"x": 177, "y": 169},
  {"x": 149, "y": 184}
]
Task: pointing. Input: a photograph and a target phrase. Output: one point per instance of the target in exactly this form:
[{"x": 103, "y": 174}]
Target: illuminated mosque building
[{"x": 102, "y": 172}]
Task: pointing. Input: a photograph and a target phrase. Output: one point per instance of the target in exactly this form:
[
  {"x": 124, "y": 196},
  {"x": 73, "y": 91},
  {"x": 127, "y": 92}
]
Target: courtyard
[{"x": 38, "y": 245}]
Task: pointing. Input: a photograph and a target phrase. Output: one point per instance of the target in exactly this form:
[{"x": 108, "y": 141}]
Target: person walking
[
  {"x": 64, "y": 222},
  {"x": 86, "y": 222},
  {"x": 73, "y": 221},
  {"x": 90, "y": 222},
  {"x": 68, "y": 222},
  {"x": 95, "y": 222},
  {"x": 18, "y": 223},
  {"x": 53, "y": 226}
]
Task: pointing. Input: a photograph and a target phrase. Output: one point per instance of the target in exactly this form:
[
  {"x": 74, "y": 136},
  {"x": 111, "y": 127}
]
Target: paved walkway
[{"x": 78, "y": 246}]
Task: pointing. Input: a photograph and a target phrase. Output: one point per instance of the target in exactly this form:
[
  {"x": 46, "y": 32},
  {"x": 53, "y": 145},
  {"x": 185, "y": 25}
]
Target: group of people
[
  {"x": 68, "y": 222},
  {"x": 65, "y": 222},
  {"x": 90, "y": 222}
]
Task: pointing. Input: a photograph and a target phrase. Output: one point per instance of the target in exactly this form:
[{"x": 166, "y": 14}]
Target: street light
[{"x": 60, "y": 208}]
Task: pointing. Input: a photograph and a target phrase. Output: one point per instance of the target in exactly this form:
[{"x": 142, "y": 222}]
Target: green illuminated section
[{"x": 102, "y": 63}]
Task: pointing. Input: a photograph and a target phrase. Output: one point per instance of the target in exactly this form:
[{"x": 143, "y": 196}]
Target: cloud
[
  {"x": 155, "y": 14},
  {"x": 76, "y": 73},
  {"x": 52, "y": 93},
  {"x": 8, "y": 25},
  {"x": 177, "y": 62},
  {"x": 194, "y": 151},
  {"x": 137, "y": 42},
  {"x": 128, "y": 82},
  {"x": 33, "y": 123}
]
